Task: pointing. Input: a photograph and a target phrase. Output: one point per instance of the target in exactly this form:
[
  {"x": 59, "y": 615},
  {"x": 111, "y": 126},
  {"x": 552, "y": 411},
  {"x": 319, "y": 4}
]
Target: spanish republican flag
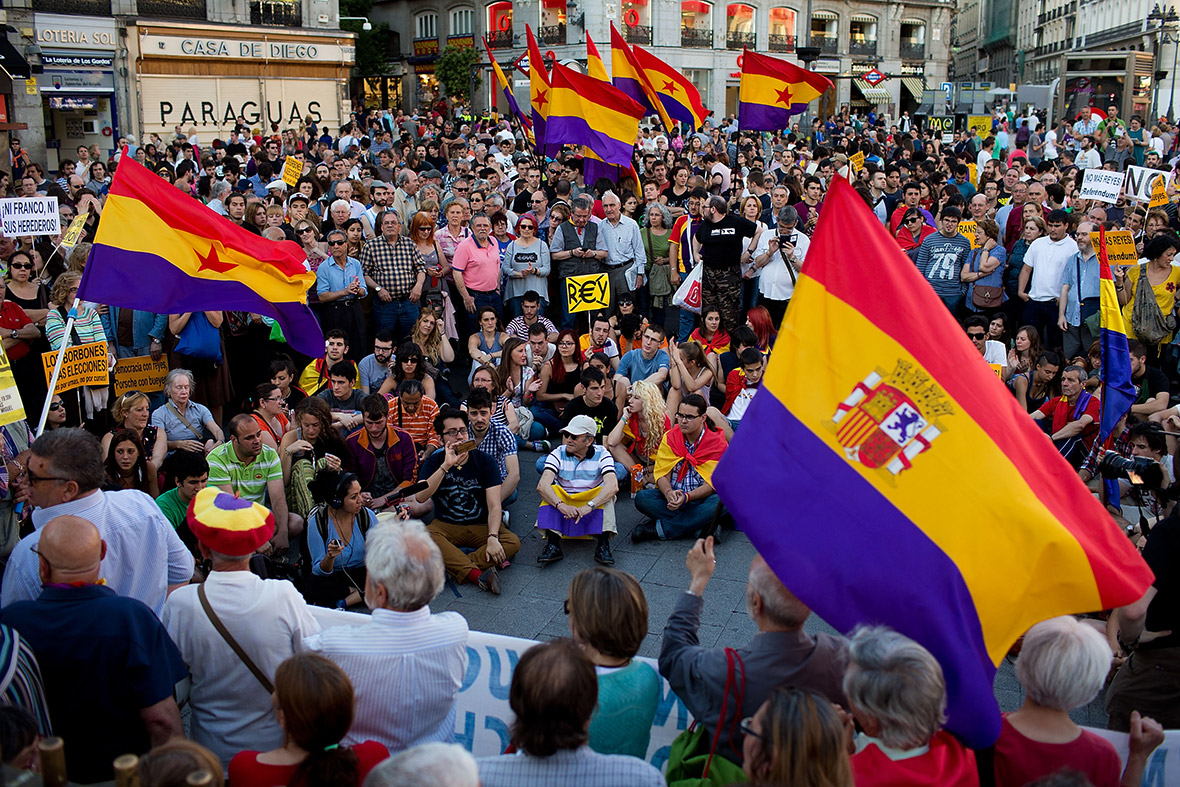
[
  {"x": 158, "y": 250},
  {"x": 629, "y": 77},
  {"x": 539, "y": 90},
  {"x": 506, "y": 87},
  {"x": 585, "y": 111},
  {"x": 678, "y": 97},
  {"x": 858, "y": 474},
  {"x": 771, "y": 90}
]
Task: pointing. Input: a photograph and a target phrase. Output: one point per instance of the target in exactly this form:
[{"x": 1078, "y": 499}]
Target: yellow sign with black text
[
  {"x": 857, "y": 161},
  {"x": 982, "y": 125},
  {"x": 140, "y": 373},
  {"x": 74, "y": 231},
  {"x": 292, "y": 171},
  {"x": 970, "y": 230},
  {"x": 11, "y": 407},
  {"x": 587, "y": 293},
  {"x": 1159, "y": 193},
  {"x": 1120, "y": 247},
  {"x": 84, "y": 364}
]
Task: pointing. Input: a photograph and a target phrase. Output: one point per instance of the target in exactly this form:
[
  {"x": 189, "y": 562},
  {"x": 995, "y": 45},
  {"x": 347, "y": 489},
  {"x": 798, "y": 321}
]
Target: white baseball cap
[{"x": 580, "y": 424}]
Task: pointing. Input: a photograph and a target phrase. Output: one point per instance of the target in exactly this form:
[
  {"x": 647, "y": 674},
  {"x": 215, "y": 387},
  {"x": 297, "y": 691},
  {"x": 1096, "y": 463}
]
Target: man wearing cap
[
  {"x": 145, "y": 558},
  {"x": 267, "y": 619},
  {"x": 577, "y": 488}
]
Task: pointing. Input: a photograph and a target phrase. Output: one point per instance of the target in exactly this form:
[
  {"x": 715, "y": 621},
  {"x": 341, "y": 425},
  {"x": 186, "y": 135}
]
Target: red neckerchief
[{"x": 709, "y": 448}]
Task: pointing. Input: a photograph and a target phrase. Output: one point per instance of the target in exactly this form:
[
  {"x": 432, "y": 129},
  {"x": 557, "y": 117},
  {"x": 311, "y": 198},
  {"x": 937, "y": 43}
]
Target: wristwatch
[
  {"x": 377, "y": 288},
  {"x": 14, "y": 332}
]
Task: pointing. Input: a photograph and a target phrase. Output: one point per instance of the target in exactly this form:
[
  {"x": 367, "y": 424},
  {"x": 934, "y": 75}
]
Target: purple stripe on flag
[
  {"x": 569, "y": 130},
  {"x": 853, "y": 557},
  {"x": 761, "y": 117},
  {"x": 678, "y": 111},
  {"x": 549, "y": 518},
  {"x": 630, "y": 86},
  {"x": 1118, "y": 392},
  {"x": 138, "y": 280}
]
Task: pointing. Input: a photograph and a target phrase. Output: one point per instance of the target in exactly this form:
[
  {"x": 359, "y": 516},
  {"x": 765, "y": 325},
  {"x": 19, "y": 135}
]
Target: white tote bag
[{"x": 689, "y": 295}]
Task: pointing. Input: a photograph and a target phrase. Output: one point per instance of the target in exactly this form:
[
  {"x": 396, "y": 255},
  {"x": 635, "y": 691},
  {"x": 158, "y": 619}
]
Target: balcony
[
  {"x": 827, "y": 44},
  {"x": 696, "y": 39},
  {"x": 911, "y": 51},
  {"x": 865, "y": 48},
  {"x": 281, "y": 13},
  {"x": 89, "y": 7},
  {"x": 553, "y": 35},
  {"x": 637, "y": 34},
  {"x": 735, "y": 39},
  {"x": 500, "y": 39},
  {"x": 781, "y": 43},
  {"x": 172, "y": 9}
]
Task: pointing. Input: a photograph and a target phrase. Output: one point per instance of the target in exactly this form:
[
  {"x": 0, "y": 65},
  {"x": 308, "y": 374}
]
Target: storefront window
[
  {"x": 1099, "y": 91},
  {"x": 696, "y": 24},
  {"x": 500, "y": 25}
]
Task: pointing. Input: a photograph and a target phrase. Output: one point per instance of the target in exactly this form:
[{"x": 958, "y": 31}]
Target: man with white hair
[
  {"x": 406, "y": 664},
  {"x": 428, "y": 765},
  {"x": 217, "y": 194},
  {"x": 405, "y": 196},
  {"x": 624, "y": 248}
]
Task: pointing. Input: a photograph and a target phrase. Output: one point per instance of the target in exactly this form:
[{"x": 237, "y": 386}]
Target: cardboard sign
[
  {"x": 11, "y": 406},
  {"x": 292, "y": 171},
  {"x": 857, "y": 161},
  {"x": 85, "y": 364},
  {"x": 587, "y": 293},
  {"x": 1120, "y": 247},
  {"x": 29, "y": 216},
  {"x": 973, "y": 174},
  {"x": 140, "y": 373},
  {"x": 969, "y": 229},
  {"x": 1101, "y": 185},
  {"x": 1140, "y": 181},
  {"x": 1159, "y": 193},
  {"x": 998, "y": 369},
  {"x": 982, "y": 125}
]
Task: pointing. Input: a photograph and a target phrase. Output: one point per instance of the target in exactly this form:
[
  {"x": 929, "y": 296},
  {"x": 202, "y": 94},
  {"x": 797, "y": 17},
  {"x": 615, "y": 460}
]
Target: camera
[{"x": 1139, "y": 470}]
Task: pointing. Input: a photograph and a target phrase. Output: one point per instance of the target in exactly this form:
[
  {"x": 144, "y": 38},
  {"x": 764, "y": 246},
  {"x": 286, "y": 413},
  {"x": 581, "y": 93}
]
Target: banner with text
[
  {"x": 11, "y": 406},
  {"x": 586, "y": 293},
  {"x": 29, "y": 216},
  {"x": 140, "y": 373},
  {"x": 1120, "y": 247},
  {"x": 1102, "y": 185},
  {"x": 84, "y": 364},
  {"x": 1140, "y": 181}
]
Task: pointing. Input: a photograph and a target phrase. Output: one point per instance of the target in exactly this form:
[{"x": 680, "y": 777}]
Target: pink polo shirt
[{"x": 480, "y": 266}]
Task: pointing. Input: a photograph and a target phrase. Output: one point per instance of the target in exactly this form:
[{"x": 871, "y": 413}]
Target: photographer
[
  {"x": 1144, "y": 503},
  {"x": 774, "y": 253}
]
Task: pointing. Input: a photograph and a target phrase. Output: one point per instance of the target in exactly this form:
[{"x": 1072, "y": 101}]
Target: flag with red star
[
  {"x": 538, "y": 90},
  {"x": 678, "y": 96},
  {"x": 159, "y": 250},
  {"x": 772, "y": 90}
]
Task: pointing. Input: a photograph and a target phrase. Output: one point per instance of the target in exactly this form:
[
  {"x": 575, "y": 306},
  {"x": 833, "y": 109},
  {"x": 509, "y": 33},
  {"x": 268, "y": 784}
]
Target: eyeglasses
[
  {"x": 56, "y": 406},
  {"x": 747, "y": 727},
  {"x": 33, "y": 478},
  {"x": 976, "y": 336},
  {"x": 337, "y": 242},
  {"x": 411, "y": 360},
  {"x": 522, "y": 226},
  {"x": 684, "y": 417},
  {"x": 302, "y": 230},
  {"x": 537, "y": 202},
  {"x": 454, "y": 432},
  {"x": 21, "y": 267}
]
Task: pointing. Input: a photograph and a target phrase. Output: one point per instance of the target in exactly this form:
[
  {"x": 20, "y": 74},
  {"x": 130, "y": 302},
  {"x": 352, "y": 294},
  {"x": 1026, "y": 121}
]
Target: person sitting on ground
[
  {"x": 268, "y": 410},
  {"x": 313, "y": 444},
  {"x": 172, "y": 763},
  {"x": 578, "y": 487},
  {"x": 19, "y": 736},
  {"x": 406, "y": 663},
  {"x": 102, "y": 656},
  {"x": 683, "y": 501},
  {"x": 1071, "y": 420},
  {"x": 343, "y": 398},
  {"x": 189, "y": 472},
  {"x": 796, "y": 737},
  {"x": 599, "y": 340},
  {"x": 282, "y": 373},
  {"x": 187, "y": 425},
  {"x": 647, "y": 362},
  {"x": 336, "y": 531},
  {"x": 465, "y": 486},
  {"x": 1063, "y": 664},
  {"x": 781, "y": 654},
  {"x": 641, "y": 427},
  {"x": 740, "y": 388},
  {"x": 554, "y": 693},
  {"x": 592, "y": 402},
  {"x": 315, "y": 376},
  {"x": 897, "y": 695},
  {"x": 133, "y": 411},
  {"x": 739, "y": 339},
  {"x": 246, "y": 468},
  {"x": 314, "y": 704},
  {"x": 385, "y": 459},
  {"x": 127, "y": 467},
  {"x": 267, "y": 618},
  {"x": 608, "y": 619},
  {"x": 495, "y": 442},
  {"x": 428, "y": 765},
  {"x": 1033, "y": 389},
  {"x": 376, "y": 367},
  {"x": 414, "y": 412}
]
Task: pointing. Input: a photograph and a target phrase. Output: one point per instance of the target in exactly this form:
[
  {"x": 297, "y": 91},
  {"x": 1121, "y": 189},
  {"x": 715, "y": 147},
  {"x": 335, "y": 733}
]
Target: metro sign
[{"x": 873, "y": 77}]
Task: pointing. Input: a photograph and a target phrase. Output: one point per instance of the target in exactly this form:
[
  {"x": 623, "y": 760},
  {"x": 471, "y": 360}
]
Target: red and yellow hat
[{"x": 228, "y": 524}]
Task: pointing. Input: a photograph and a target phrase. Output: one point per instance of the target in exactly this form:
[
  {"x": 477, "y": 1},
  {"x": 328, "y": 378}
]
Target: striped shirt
[
  {"x": 407, "y": 668},
  {"x": 578, "y": 475},
  {"x": 520, "y": 329},
  {"x": 248, "y": 481},
  {"x": 419, "y": 425},
  {"x": 582, "y": 767},
  {"x": 20, "y": 678}
]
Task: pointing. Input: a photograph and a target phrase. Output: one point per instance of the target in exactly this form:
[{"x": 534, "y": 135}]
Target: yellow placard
[
  {"x": 982, "y": 125},
  {"x": 292, "y": 171},
  {"x": 31, "y": 86},
  {"x": 11, "y": 407},
  {"x": 74, "y": 231},
  {"x": 140, "y": 373},
  {"x": 1159, "y": 193},
  {"x": 998, "y": 369},
  {"x": 970, "y": 230},
  {"x": 586, "y": 293},
  {"x": 973, "y": 174},
  {"x": 857, "y": 161},
  {"x": 85, "y": 364},
  {"x": 1120, "y": 247}
]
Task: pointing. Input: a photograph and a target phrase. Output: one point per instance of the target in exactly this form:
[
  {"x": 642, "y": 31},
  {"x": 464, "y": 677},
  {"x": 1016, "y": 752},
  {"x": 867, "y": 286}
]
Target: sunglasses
[
  {"x": 56, "y": 406},
  {"x": 21, "y": 266},
  {"x": 976, "y": 335},
  {"x": 302, "y": 230},
  {"x": 522, "y": 226}
]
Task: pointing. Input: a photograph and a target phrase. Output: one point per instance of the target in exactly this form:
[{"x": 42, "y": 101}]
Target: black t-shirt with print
[{"x": 722, "y": 242}]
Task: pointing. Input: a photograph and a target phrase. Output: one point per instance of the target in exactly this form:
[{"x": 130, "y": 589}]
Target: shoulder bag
[
  {"x": 690, "y": 763},
  {"x": 233, "y": 643},
  {"x": 200, "y": 433},
  {"x": 199, "y": 339},
  {"x": 984, "y": 296},
  {"x": 1147, "y": 321}
]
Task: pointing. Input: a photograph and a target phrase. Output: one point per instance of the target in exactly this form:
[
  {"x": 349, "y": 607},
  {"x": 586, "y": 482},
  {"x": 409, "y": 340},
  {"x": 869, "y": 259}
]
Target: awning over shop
[
  {"x": 13, "y": 61},
  {"x": 914, "y": 85},
  {"x": 874, "y": 95}
]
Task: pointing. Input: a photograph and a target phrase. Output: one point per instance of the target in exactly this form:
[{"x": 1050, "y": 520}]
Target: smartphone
[
  {"x": 464, "y": 447},
  {"x": 335, "y": 542}
]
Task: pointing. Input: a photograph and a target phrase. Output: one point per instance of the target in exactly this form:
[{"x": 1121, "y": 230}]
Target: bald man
[{"x": 108, "y": 664}]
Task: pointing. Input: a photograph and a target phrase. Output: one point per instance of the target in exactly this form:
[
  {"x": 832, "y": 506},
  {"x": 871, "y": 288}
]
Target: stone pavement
[{"x": 531, "y": 605}]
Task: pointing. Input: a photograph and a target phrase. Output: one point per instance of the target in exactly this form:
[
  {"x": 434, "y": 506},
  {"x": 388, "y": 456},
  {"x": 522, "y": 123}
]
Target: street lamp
[
  {"x": 367, "y": 26},
  {"x": 1166, "y": 19}
]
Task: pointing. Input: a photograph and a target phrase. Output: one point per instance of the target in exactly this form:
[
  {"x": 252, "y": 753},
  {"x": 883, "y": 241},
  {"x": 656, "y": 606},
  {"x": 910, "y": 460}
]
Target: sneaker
[
  {"x": 489, "y": 580},
  {"x": 552, "y": 554},
  {"x": 603, "y": 555},
  {"x": 505, "y": 516},
  {"x": 644, "y": 531},
  {"x": 541, "y": 446}
]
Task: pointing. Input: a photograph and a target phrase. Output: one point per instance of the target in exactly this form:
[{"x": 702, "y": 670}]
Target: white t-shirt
[
  {"x": 1051, "y": 144},
  {"x": 775, "y": 281},
  {"x": 1047, "y": 258},
  {"x": 993, "y": 352}
]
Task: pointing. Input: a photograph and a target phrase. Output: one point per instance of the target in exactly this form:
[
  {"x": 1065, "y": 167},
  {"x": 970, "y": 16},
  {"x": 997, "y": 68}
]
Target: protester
[
  {"x": 796, "y": 737},
  {"x": 427, "y": 765}
]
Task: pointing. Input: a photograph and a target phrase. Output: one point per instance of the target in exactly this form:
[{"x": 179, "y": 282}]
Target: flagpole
[{"x": 61, "y": 354}]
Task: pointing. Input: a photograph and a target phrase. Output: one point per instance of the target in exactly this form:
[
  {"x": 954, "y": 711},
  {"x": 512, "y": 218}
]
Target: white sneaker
[{"x": 505, "y": 516}]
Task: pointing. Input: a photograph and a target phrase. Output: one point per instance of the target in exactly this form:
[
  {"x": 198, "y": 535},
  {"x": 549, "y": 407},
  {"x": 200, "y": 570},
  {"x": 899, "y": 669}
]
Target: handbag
[
  {"x": 985, "y": 296},
  {"x": 692, "y": 760},
  {"x": 199, "y": 339},
  {"x": 233, "y": 643},
  {"x": 688, "y": 296},
  {"x": 1147, "y": 321}
]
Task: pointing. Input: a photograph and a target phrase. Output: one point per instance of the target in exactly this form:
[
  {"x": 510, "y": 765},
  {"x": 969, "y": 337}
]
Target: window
[
  {"x": 782, "y": 21},
  {"x": 696, "y": 24},
  {"x": 426, "y": 26},
  {"x": 461, "y": 22}
]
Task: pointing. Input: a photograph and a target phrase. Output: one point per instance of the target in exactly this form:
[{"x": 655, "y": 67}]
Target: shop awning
[
  {"x": 827, "y": 16},
  {"x": 866, "y": 18},
  {"x": 13, "y": 61},
  {"x": 874, "y": 95},
  {"x": 914, "y": 85}
]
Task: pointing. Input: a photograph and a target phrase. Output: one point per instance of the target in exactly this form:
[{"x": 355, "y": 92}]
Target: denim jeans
[
  {"x": 397, "y": 316},
  {"x": 688, "y": 321},
  {"x": 546, "y": 417},
  {"x": 685, "y": 521},
  {"x": 490, "y": 300}
]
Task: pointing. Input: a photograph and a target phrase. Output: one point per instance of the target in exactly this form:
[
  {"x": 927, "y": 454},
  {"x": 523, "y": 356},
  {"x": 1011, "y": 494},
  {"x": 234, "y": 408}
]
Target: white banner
[
  {"x": 1102, "y": 185},
  {"x": 1140, "y": 181},
  {"x": 29, "y": 216}
]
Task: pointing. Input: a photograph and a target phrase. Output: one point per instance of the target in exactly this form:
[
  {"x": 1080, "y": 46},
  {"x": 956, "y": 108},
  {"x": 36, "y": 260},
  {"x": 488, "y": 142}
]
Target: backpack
[{"x": 321, "y": 520}]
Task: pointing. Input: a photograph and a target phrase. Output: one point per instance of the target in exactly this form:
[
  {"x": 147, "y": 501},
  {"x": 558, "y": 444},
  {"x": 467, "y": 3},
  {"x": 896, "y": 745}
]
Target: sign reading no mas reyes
[{"x": 29, "y": 216}]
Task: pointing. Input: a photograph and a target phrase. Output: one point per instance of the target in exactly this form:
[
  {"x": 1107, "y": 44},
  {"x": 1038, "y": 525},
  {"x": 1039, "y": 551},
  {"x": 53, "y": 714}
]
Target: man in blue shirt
[
  {"x": 105, "y": 658},
  {"x": 1079, "y": 294},
  {"x": 648, "y": 362},
  {"x": 941, "y": 258}
]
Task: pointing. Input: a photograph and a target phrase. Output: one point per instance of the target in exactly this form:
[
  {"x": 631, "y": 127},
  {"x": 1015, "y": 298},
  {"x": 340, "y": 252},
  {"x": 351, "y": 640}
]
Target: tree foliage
[
  {"x": 376, "y": 49},
  {"x": 453, "y": 69}
]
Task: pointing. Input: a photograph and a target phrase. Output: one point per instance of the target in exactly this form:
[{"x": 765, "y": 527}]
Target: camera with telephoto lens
[{"x": 1139, "y": 470}]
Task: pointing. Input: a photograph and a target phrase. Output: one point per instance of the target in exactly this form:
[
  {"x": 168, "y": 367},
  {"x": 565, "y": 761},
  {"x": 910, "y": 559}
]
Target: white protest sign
[
  {"x": 29, "y": 216},
  {"x": 1163, "y": 766},
  {"x": 1140, "y": 180},
  {"x": 1102, "y": 185}
]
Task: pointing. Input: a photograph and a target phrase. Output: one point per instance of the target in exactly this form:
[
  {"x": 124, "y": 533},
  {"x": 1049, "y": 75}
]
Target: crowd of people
[{"x": 190, "y": 532}]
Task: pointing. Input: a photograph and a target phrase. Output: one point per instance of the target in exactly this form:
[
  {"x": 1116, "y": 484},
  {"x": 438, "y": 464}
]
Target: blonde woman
[
  {"x": 428, "y": 335},
  {"x": 636, "y": 437}
]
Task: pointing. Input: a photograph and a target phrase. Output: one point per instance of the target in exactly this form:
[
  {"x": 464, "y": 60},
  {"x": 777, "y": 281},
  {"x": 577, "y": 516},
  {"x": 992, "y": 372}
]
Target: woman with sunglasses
[
  {"x": 20, "y": 338},
  {"x": 434, "y": 292},
  {"x": 340, "y": 285},
  {"x": 269, "y": 410},
  {"x": 25, "y": 289},
  {"x": 913, "y": 230},
  {"x": 57, "y": 414},
  {"x": 133, "y": 411},
  {"x": 409, "y": 366},
  {"x": 526, "y": 265}
]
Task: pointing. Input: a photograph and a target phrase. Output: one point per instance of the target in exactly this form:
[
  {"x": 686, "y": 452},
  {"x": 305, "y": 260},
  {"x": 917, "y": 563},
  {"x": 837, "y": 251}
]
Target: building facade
[
  {"x": 907, "y": 41},
  {"x": 106, "y": 68}
]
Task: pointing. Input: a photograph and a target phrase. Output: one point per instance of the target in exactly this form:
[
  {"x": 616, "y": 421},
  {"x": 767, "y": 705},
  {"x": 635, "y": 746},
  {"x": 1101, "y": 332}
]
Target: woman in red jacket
[{"x": 913, "y": 230}]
